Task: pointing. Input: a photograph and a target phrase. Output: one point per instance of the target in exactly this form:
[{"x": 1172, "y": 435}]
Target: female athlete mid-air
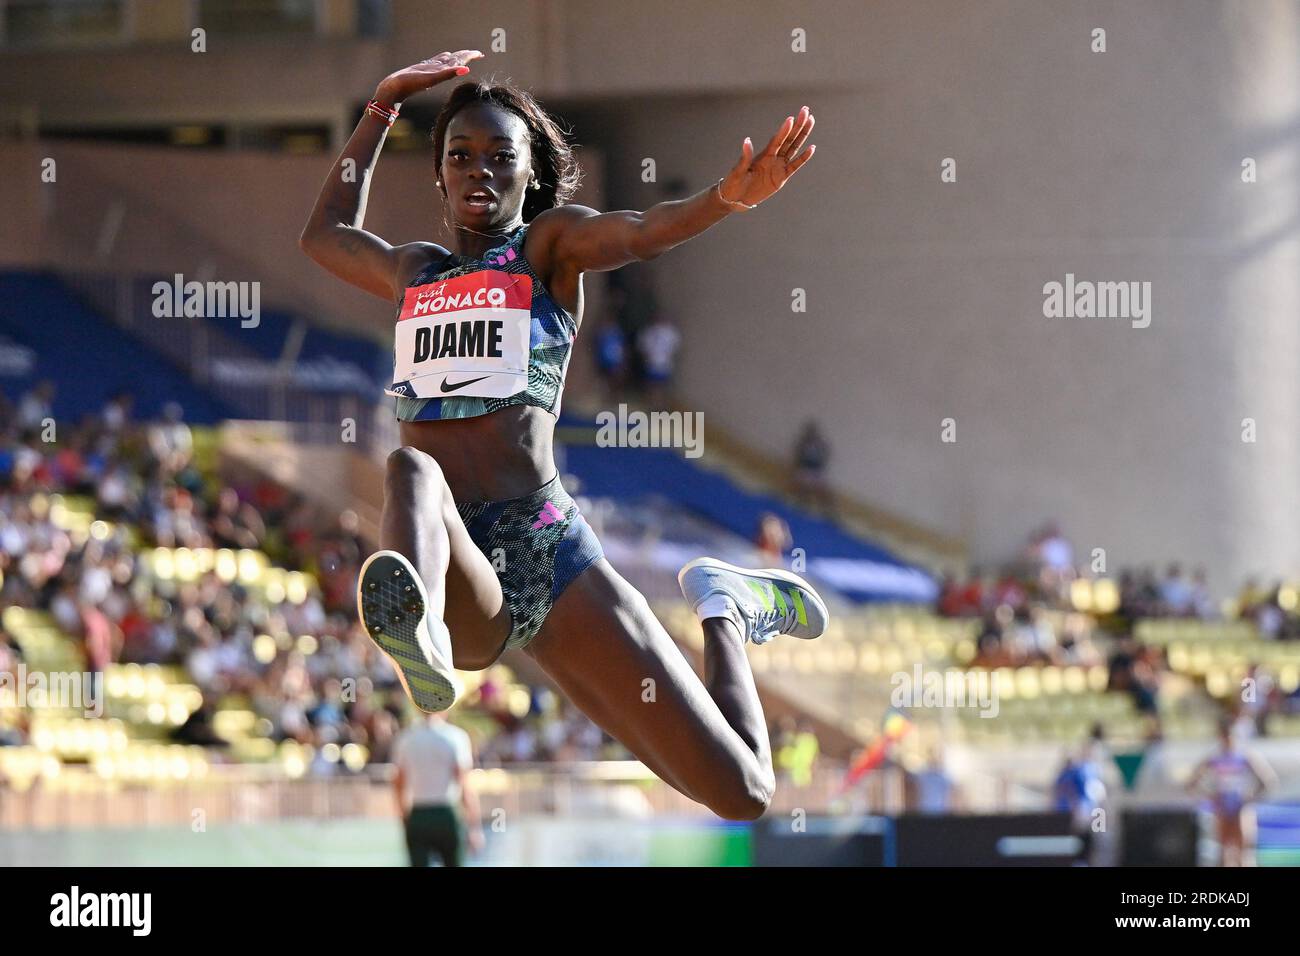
[{"x": 482, "y": 548}]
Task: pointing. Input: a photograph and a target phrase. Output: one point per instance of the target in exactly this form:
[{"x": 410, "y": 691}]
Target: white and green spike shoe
[
  {"x": 762, "y": 603},
  {"x": 392, "y": 603}
]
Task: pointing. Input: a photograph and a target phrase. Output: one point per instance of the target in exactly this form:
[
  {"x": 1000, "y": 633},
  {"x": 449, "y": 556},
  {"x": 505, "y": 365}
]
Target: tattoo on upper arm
[{"x": 351, "y": 241}]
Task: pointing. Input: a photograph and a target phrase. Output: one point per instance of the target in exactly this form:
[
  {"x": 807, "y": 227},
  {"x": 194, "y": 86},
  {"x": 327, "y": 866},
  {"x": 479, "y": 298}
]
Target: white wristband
[{"x": 733, "y": 203}]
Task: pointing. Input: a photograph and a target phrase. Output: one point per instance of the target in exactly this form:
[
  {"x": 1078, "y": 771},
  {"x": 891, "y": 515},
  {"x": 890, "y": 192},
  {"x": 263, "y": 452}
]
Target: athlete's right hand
[{"x": 421, "y": 76}]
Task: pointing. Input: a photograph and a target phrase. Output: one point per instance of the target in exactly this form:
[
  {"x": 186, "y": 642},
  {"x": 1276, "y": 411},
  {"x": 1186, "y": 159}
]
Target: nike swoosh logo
[{"x": 447, "y": 387}]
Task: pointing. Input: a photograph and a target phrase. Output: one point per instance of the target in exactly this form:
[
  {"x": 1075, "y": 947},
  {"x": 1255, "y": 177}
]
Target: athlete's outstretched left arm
[{"x": 588, "y": 241}]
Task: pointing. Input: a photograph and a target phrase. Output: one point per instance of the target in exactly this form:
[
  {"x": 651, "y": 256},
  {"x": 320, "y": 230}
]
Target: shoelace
[{"x": 768, "y": 617}]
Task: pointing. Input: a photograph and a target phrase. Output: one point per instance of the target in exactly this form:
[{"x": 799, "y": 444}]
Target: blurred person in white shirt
[
  {"x": 1202, "y": 603},
  {"x": 1176, "y": 593},
  {"x": 1055, "y": 550},
  {"x": 65, "y": 610},
  {"x": 170, "y": 440},
  {"x": 438, "y": 805},
  {"x": 96, "y": 582},
  {"x": 115, "y": 493},
  {"x": 36, "y": 406},
  {"x": 658, "y": 344},
  {"x": 117, "y": 412},
  {"x": 931, "y": 789}
]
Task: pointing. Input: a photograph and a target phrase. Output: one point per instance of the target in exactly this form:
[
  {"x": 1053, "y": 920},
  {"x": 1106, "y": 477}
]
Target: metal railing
[{"x": 252, "y": 794}]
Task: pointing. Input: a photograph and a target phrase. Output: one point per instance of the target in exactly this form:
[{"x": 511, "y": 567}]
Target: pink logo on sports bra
[
  {"x": 508, "y": 257},
  {"x": 548, "y": 515}
]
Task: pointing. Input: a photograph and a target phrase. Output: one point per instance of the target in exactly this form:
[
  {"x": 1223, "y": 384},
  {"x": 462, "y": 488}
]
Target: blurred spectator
[
  {"x": 1155, "y": 783},
  {"x": 341, "y": 551},
  {"x": 1233, "y": 780},
  {"x": 1080, "y": 791},
  {"x": 1202, "y": 602},
  {"x": 992, "y": 649},
  {"x": 236, "y": 524},
  {"x": 1052, "y": 549},
  {"x": 773, "y": 539},
  {"x": 170, "y": 440},
  {"x": 1007, "y": 590},
  {"x": 1269, "y": 616},
  {"x": 1035, "y": 636},
  {"x": 931, "y": 789},
  {"x": 1052, "y": 557},
  {"x": 611, "y": 357},
  {"x": 1175, "y": 593},
  {"x": 435, "y": 798},
  {"x": 197, "y": 730},
  {"x": 812, "y": 454},
  {"x": 118, "y": 493},
  {"x": 1258, "y": 697},
  {"x": 1075, "y": 645},
  {"x": 117, "y": 412},
  {"x": 795, "y": 749},
  {"x": 12, "y": 734},
  {"x": 1135, "y": 670},
  {"x": 1250, "y": 597},
  {"x": 658, "y": 343},
  {"x": 35, "y": 407},
  {"x": 958, "y": 598}
]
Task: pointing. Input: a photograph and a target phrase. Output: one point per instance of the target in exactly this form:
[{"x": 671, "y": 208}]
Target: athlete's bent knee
[
  {"x": 473, "y": 659},
  {"x": 406, "y": 465},
  {"x": 747, "y": 800}
]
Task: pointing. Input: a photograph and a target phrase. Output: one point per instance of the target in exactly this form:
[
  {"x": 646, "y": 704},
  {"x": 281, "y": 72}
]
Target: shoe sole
[
  {"x": 398, "y": 591},
  {"x": 789, "y": 577}
]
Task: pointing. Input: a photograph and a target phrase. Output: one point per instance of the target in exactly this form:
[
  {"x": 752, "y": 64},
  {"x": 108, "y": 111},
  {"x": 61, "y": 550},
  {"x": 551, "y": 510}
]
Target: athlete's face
[{"x": 486, "y": 165}]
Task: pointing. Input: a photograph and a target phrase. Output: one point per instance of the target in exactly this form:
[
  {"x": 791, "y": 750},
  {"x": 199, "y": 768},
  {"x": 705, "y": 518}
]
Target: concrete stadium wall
[
  {"x": 241, "y": 210},
  {"x": 563, "y": 48},
  {"x": 925, "y": 298}
]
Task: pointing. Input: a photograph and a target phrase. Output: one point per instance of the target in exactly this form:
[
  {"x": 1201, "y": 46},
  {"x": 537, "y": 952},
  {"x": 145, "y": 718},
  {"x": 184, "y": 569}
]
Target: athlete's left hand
[{"x": 755, "y": 178}]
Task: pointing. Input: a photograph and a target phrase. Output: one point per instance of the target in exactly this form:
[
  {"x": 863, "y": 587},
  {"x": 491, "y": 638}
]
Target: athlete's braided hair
[{"x": 553, "y": 164}]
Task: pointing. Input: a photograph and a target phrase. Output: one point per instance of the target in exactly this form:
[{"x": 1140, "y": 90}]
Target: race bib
[{"x": 464, "y": 336}]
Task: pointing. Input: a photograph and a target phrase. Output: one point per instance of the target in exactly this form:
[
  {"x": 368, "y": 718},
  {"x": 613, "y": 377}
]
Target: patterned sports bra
[{"x": 477, "y": 335}]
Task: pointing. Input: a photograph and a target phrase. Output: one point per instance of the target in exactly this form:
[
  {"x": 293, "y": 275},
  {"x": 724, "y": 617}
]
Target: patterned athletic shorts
[{"x": 538, "y": 543}]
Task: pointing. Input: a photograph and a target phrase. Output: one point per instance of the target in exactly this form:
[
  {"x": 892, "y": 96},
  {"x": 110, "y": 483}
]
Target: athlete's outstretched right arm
[{"x": 333, "y": 236}]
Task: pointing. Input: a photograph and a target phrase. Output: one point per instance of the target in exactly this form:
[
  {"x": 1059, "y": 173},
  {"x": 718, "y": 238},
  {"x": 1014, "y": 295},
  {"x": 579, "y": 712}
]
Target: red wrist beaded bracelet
[{"x": 386, "y": 113}]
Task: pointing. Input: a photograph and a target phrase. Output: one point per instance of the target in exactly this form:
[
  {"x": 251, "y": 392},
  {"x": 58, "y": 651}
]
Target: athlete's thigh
[
  {"x": 1231, "y": 829},
  {"x": 611, "y": 657},
  {"x": 476, "y": 613}
]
